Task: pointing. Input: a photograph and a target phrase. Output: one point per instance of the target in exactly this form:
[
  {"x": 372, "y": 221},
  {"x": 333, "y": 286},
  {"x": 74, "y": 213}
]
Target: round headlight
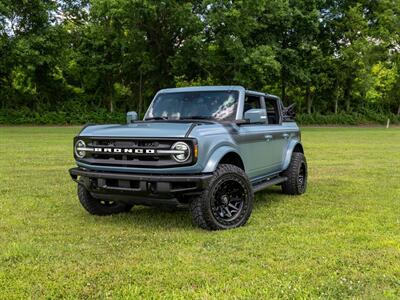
[
  {"x": 183, "y": 152},
  {"x": 79, "y": 149}
]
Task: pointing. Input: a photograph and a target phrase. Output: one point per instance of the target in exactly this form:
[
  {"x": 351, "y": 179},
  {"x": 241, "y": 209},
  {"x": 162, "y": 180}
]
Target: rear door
[{"x": 278, "y": 143}]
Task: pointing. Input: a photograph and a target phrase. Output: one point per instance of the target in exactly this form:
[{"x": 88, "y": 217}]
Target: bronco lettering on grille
[{"x": 124, "y": 150}]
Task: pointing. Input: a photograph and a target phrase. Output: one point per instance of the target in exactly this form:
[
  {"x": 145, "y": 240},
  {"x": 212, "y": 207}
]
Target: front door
[{"x": 252, "y": 140}]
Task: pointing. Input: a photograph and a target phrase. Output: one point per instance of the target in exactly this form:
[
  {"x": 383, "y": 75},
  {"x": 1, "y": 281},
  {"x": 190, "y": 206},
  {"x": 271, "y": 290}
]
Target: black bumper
[{"x": 139, "y": 184}]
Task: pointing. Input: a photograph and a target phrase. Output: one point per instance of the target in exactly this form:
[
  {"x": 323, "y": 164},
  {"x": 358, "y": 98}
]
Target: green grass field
[{"x": 339, "y": 240}]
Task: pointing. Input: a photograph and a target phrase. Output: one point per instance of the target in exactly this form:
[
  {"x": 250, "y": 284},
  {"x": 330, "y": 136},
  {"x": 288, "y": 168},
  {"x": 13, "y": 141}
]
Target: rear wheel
[
  {"x": 100, "y": 207},
  {"x": 296, "y": 174},
  {"x": 226, "y": 203}
]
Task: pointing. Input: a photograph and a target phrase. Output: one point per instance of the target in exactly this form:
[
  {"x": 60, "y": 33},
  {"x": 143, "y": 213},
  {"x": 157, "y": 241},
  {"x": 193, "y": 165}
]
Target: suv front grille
[{"x": 132, "y": 152}]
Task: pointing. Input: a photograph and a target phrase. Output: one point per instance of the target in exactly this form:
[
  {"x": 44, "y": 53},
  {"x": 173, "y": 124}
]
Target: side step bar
[{"x": 268, "y": 182}]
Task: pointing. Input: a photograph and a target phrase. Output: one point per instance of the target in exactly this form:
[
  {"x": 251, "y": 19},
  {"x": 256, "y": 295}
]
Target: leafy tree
[{"x": 78, "y": 56}]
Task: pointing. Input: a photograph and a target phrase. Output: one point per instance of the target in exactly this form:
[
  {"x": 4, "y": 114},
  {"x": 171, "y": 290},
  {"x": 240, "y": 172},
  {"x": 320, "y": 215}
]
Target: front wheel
[
  {"x": 100, "y": 207},
  {"x": 226, "y": 203},
  {"x": 296, "y": 174}
]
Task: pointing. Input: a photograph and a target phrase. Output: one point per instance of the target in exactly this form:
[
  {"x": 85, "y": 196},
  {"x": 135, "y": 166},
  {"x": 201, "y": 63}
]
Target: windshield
[{"x": 218, "y": 105}]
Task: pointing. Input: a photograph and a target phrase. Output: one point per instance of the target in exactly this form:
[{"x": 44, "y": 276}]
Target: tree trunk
[
  {"x": 283, "y": 86},
  {"x": 109, "y": 93},
  {"x": 111, "y": 105},
  {"x": 336, "y": 105},
  {"x": 398, "y": 110},
  {"x": 347, "y": 104},
  {"x": 140, "y": 94},
  {"x": 363, "y": 96},
  {"x": 336, "y": 97},
  {"x": 308, "y": 97},
  {"x": 347, "y": 93}
]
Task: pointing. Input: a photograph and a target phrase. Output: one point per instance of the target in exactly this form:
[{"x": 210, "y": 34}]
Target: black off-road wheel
[
  {"x": 296, "y": 174},
  {"x": 100, "y": 207},
  {"x": 226, "y": 203}
]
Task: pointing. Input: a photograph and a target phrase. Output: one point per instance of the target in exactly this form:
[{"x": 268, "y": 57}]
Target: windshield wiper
[
  {"x": 156, "y": 118},
  {"x": 196, "y": 118}
]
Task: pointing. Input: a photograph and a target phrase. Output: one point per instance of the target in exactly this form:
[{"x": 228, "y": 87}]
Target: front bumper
[{"x": 139, "y": 185}]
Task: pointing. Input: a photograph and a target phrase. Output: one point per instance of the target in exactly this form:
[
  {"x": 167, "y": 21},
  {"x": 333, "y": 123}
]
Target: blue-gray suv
[{"x": 209, "y": 148}]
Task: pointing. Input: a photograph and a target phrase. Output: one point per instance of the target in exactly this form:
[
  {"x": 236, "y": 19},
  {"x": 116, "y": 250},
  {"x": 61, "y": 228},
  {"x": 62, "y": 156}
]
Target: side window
[
  {"x": 272, "y": 111},
  {"x": 251, "y": 102}
]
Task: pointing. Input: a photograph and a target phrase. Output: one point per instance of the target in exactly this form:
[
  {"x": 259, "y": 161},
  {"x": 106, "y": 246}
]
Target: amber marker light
[{"x": 195, "y": 151}]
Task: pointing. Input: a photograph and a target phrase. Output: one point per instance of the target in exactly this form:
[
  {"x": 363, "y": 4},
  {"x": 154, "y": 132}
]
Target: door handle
[
  {"x": 285, "y": 135},
  {"x": 268, "y": 137}
]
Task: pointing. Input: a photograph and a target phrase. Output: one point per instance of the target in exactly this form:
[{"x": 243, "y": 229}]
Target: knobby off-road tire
[
  {"x": 296, "y": 173},
  {"x": 226, "y": 203},
  {"x": 99, "y": 207}
]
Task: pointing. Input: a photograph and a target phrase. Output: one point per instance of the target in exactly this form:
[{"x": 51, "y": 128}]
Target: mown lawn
[{"x": 341, "y": 239}]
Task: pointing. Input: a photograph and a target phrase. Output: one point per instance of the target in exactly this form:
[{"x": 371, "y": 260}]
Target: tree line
[{"x": 328, "y": 57}]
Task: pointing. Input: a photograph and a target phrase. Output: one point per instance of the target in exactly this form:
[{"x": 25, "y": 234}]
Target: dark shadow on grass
[
  {"x": 154, "y": 217},
  {"x": 167, "y": 218},
  {"x": 268, "y": 196}
]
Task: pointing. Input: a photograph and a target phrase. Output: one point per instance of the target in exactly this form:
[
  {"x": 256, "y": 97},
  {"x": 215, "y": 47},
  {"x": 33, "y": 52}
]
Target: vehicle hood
[{"x": 140, "y": 129}]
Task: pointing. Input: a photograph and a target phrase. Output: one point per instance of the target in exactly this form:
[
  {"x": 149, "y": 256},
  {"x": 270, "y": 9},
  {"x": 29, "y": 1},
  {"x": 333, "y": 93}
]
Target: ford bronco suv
[{"x": 209, "y": 148}]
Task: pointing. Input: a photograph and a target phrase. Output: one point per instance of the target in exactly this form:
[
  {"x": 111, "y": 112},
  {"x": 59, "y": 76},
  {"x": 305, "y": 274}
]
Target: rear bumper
[{"x": 128, "y": 184}]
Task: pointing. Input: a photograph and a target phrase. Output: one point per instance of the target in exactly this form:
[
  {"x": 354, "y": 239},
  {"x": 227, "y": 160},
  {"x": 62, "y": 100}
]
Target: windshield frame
[{"x": 233, "y": 116}]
